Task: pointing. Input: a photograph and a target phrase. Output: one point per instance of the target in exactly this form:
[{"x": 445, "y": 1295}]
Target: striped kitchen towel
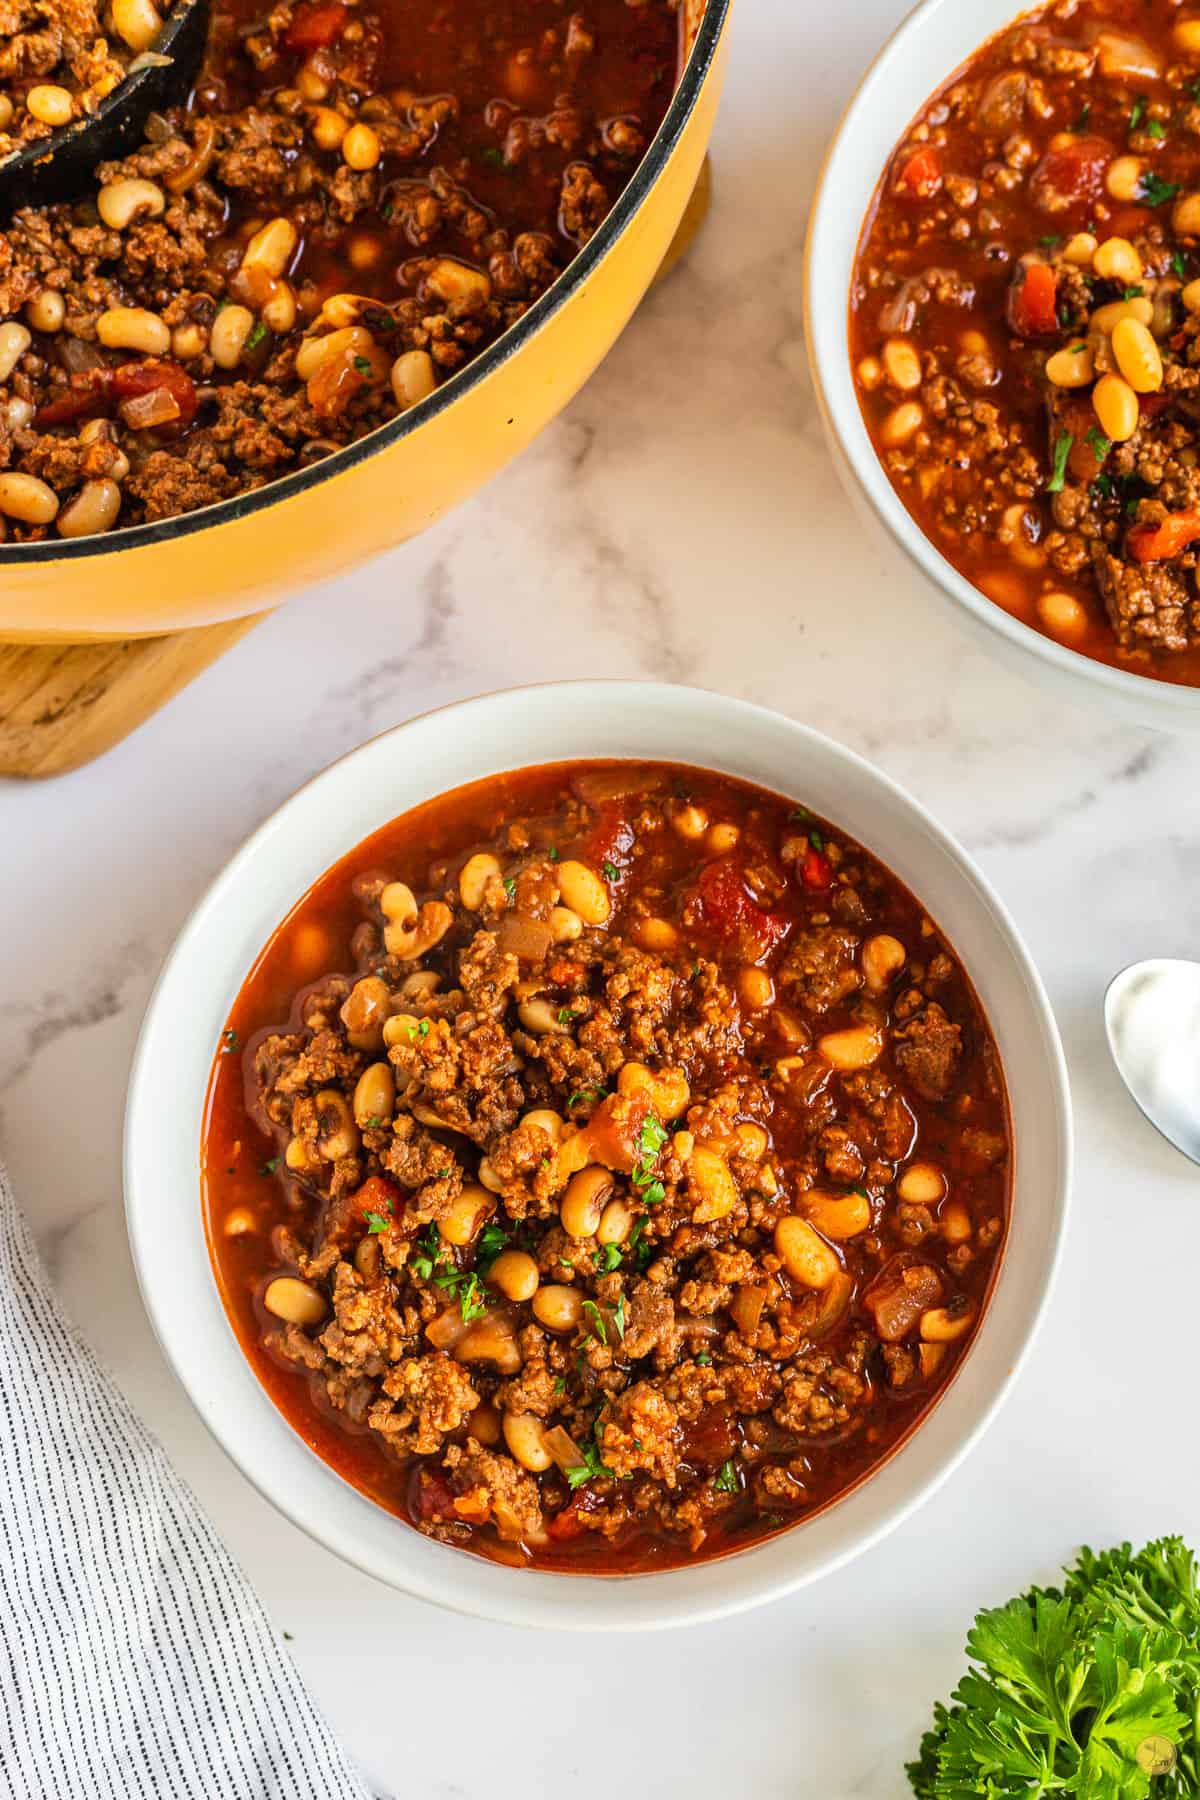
[{"x": 135, "y": 1660}]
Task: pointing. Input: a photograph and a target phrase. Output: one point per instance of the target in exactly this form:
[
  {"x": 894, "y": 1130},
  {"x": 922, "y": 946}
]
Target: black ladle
[{"x": 61, "y": 166}]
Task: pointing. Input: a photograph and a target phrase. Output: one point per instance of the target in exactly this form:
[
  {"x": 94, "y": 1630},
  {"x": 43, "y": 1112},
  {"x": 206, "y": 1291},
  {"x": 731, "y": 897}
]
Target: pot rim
[{"x": 240, "y": 506}]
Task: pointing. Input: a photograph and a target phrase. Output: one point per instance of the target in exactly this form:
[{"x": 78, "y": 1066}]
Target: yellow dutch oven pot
[{"x": 234, "y": 558}]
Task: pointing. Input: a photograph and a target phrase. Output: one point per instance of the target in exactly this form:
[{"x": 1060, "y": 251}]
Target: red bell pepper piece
[
  {"x": 1033, "y": 300},
  {"x": 816, "y": 870},
  {"x": 315, "y": 27},
  {"x": 1159, "y": 543},
  {"x": 921, "y": 175}
]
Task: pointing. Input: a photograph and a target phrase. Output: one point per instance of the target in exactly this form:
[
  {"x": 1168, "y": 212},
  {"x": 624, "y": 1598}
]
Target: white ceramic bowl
[
  {"x": 327, "y": 818},
  {"x": 934, "y": 39}
]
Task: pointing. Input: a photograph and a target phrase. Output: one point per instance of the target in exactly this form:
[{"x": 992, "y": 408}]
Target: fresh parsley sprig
[{"x": 1091, "y": 1691}]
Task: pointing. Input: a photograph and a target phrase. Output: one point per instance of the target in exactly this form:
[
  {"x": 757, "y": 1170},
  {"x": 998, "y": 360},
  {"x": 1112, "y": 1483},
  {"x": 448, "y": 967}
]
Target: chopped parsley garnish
[
  {"x": 431, "y": 1252},
  {"x": 816, "y": 840},
  {"x": 564, "y": 1015},
  {"x": 1138, "y": 113},
  {"x": 1179, "y": 264},
  {"x": 582, "y": 1094},
  {"x": 618, "y": 1318},
  {"x": 637, "y": 1246},
  {"x": 1082, "y": 121},
  {"x": 592, "y": 1466},
  {"x": 704, "y": 1360},
  {"x": 375, "y": 1123},
  {"x": 229, "y": 1041},
  {"x": 1098, "y": 443},
  {"x": 1156, "y": 129},
  {"x": 269, "y": 1168},
  {"x": 861, "y": 1191},
  {"x": 596, "y": 1326},
  {"x": 1131, "y": 293},
  {"x": 552, "y": 853},
  {"x": 423, "y": 1028},
  {"x": 799, "y": 815},
  {"x": 490, "y": 154},
  {"x": 611, "y": 871},
  {"x": 1077, "y": 349},
  {"x": 653, "y": 1137},
  {"x": 726, "y": 1481},
  {"x": 376, "y": 1222},
  {"x": 258, "y": 334},
  {"x": 363, "y": 367},
  {"x": 1050, "y": 240},
  {"x": 560, "y": 1384},
  {"x": 1103, "y": 487},
  {"x": 607, "y": 1257},
  {"x": 1155, "y": 191},
  {"x": 1062, "y": 449},
  {"x": 465, "y": 1284},
  {"x": 491, "y": 1242},
  {"x": 510, "y": 886}
]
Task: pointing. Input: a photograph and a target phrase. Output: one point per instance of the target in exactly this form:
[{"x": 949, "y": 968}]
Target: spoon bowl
[
  {"x": 1152, "y": 1017},
  {"x": 60, "y": 167}
]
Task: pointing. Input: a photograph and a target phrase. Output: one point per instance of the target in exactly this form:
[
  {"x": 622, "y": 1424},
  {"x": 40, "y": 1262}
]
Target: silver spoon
[{"x": 1152, "y": 1016}]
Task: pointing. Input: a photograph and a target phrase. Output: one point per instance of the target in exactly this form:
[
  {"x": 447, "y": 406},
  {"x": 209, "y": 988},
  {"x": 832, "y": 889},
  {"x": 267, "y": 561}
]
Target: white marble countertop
[{"x": 681, "y": 521}]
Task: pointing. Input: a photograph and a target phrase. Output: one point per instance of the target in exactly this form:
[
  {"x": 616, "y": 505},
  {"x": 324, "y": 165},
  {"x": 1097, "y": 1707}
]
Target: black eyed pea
[
  {"x": 921, "y": 1184},
  {"x": 474, "y": 876},
  {"x": 857, "y": 1047},
  {"x": 188, "y": 342},
  {"x": 516, "y": 1275},
  {"x": 484, "y": 1426},
  {"x": 805, "y": 1255},
  {"x": 374, "y": 1096},
  {"x": 14, "y": 342},
  {"x": 755, "y": 988},
  {"x": 583, "y": 891},
  {"x": 655, "y": 934},
  {"x": 240, "y": 1222},
  {"x": 541, "y": 1017},
  {"x": 26, "y": 498},
  {"x": 228, "y": 335},
  {"x": 902, "y": 423},
  {"x": 488, "y": 1176},
  {"x": 361, "y": 148},
  {"x": 294, "y": 1301},
  {"x": 272, "y": 247},
  {"x": 300, "y": 1157},
  {"x": 279, "y": 308},
  {"x": 719, "y": 840},
  {"x": 954, "y": 1223},
  {"x": 49, "y": 104},
  {"x": 565, "y": 924},
  {"x": 943, "y": 1324},
  {"x": 525, "y": 1436},
  {"x": 328, "y": 127},
  {"x": 337, "y": 1134},
  {"x": 551, "y": 1123},
  {"x": 616, "y": 1223},
  {"x": 557, "y": 1307},
  {"x": 583, "y": 1203},
  {"x": 133, "y": 328},
  {"x": 688, "y": 821},
  {"x": 410, "y": 931},
  {"x": 883, "y": 956},
  {"x": 420, "y": 986},
  {"x": 839, "y": 1216},
  {"x": 467, "y": 1213},
  {"x": 46, "y": 311},
  {"x": 95, "y": 431},
  {"x": 137, "y": 21},
  {"x": 365, "y": 1011},
  {"x": 401, "y": 1028},
  {"x": 92, "y": 510},
  {"x": 414, "y": 378},
  {"x": 119, "y": 203},
  {"x": 450, "y": 280},
  {"x": 6, "y": 112}
]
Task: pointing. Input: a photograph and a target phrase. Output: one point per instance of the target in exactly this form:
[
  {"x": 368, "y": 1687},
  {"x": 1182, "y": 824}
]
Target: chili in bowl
[
  {"x": 1015, "y": 327},
  {"x": 608, "y": 1166}
]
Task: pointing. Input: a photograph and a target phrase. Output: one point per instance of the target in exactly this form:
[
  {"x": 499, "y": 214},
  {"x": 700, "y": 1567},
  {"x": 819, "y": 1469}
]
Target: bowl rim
[
  {"x": 826, "y": 322},
  {"x": 337, "y": 1515},
  {"x": 658, "y": 152}
]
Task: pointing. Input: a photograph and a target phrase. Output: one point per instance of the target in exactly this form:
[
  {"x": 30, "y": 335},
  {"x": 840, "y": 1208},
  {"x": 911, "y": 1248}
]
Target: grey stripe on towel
[{"x": 135, "y": 1660}]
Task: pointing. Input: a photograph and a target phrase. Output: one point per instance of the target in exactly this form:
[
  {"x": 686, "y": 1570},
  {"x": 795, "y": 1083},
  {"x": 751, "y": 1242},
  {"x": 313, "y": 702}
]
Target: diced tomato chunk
[
  {"x": 610, "y": 837},
  {"x": 1033, "y": 300},
  {"x": 920, "y": 176},
  {"x": 566, "y": 1524},
  {"x": 1159, "y": 543},
  {"x": 87, "y": 395},
  {"x": 315, "y": 27},
  {"x": 431, "y": 1496},
  {"x": 1071, "y": 174},
  {"x": 377, "y": 1194},
  {"x": 816, "y": 870},
  {"x": 732, "y": 914},
  {"x": 134, "y": 378}
]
